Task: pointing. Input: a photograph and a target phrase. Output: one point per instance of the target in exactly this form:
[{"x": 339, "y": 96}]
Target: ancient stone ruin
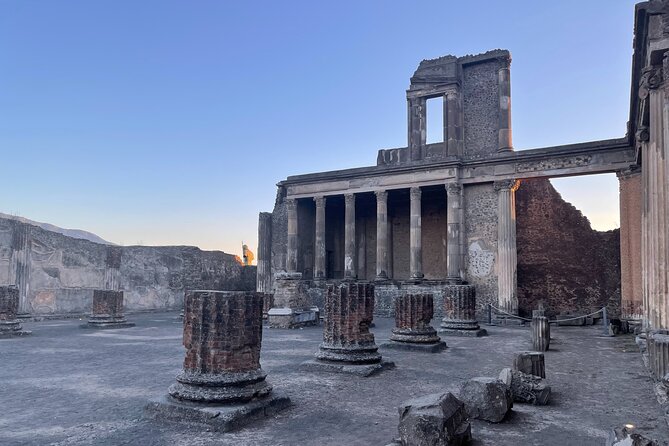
[
  {"x": 107, "y": 311},
  {"x": 460, "y": 312},
  {"x": 222, "y": 383},
  {"x": 10, "y": 326},
  {"x": 413, "y": 316}
]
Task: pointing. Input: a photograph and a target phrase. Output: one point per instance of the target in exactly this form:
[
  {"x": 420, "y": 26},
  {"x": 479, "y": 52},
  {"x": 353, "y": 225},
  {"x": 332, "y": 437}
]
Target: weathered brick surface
[
  {"x": 9, "y": 303},
  {"x": 350, "y": 310},
  {"x": 460, "y": 306},
  {"x": 414, "y": 311},
  {"x": 107, "y": 303},
  {"x": 562, "y": 262},
  {"x": 222, "y": 331}
]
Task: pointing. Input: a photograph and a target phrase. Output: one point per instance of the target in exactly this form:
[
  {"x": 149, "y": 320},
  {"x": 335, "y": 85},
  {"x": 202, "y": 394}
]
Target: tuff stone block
[
  {"x": 413, "y": 314},
  {"x": 438, "y": 419},
  {"x": 291, "y": 306},
  {"x": 222, "y": 383},
  {"x": 107, "y": 311},
  {"x": 460, "y": 312},
  {"x": 531, "y": 363},
  {"x": 348, "y": 346},
  {"x": 526, "y": 388},
  {"x": 658, "y": 353},
  {"x": 9, "y": 307},
  {"x": 487, "y": 399},
  {"x": 541, "y": 333}
]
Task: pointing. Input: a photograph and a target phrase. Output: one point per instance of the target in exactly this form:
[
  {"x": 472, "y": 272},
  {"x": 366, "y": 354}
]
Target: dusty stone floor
[{"x": 67, "y": 386}]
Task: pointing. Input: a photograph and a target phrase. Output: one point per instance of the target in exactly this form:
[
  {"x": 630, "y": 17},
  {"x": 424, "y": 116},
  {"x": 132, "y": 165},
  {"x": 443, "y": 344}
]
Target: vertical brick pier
[
  {"x": 348, "y": 346},
  {"x": 221, "y": 384},
  {"x": 107, "y": 311},
  {"x": 413, "y": 315},
  {"x": 460, "y": 312},
  {"x": 9, "y": 307}
]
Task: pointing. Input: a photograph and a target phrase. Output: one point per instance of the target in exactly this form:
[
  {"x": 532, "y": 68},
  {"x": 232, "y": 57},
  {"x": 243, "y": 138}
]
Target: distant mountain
[{"x": 75, "y": 233}]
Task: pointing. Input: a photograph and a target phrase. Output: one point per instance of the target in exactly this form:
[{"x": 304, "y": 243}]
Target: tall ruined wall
[
  {"x": 562, "y": 261},
  {"x": 62, "y": 271}
]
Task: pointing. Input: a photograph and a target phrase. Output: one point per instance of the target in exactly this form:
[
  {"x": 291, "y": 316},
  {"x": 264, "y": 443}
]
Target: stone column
[
  {"x": 506, "y": 245},
  {"x": 381, "y": 235},
  {"x": 9, "y": 307},
  {"x": 264, "y": 268},
  {"x": 630, "y": 244},
  {"x": 531, "y": 363},
  {"x": 504, "y": 89},
  {"x": 541, "y": 333},
  {"x": 413, "y": 315},
  {"x": 453, "y": 134},
  {"x": 113, "y": 268},
  {"x": 107, "y": 310},
  {"x": 21, "y": 264},
  {"x": 349, "y": 238},
  {"x": 292, "y": 243},
  {"x": 319, "y": 264},
  {"x": 417, "y": 127},
  {"x": 453, "y": 218},
  {"x": 348, "y": 346},
  {"x": 416, "y": 242},
  {"x": 460, "y": 312},
  {"x": 222, "y": 382}
]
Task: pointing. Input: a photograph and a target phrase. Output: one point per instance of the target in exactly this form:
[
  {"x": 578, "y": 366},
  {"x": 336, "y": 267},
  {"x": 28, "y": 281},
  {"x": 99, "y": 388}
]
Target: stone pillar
[
  {"x": 453, "y": 134},
  {"x": 413, "y": 314},
  {"x": 381, "y": 235},
  {"x": 222, "y": 382},
  {"x": 9, "y": 307},
  {"x": 658, "y": 353},
  {"x": 417, "y": 127},
  {"x": 454, "y": 211},
  {"x": 21, "y": 264},
  {"x": 506, "y": 246},
  {"x": 264, "y": 268},
  {"x": 504, "y": 89},
  {"x": 349, "y": 238},
  {"x": 292, "y": 243},
  {"x": 460, "y": 312},
  {"x": 630, "y": 244},
  {"x": 541, "y": 333},
  {"x": 319, "y": 264},
  {"x": 531, "y": 363},
  {"x": 416, "y": 242},
  {"x": 113, "y": 268},
  {"x": 348, "y": 346},
  {"x": 107, "y": 310}
]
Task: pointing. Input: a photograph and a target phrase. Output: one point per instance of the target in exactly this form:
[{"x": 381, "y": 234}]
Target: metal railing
[{"x": 605, "y": 319}]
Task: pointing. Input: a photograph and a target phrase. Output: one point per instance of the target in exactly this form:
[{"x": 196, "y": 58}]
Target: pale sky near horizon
[{"x": 170, "y": 122}]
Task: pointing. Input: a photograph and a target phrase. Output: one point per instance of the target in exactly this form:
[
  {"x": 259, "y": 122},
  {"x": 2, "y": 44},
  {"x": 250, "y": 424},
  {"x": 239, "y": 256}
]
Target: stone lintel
[{"x": 218, "y": 417}]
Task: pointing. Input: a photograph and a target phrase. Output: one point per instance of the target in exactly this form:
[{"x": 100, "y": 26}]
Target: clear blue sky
[{"x": 170, "y": 122}]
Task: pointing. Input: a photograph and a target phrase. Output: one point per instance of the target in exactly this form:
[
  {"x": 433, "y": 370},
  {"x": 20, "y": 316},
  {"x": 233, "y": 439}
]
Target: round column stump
[
  {"x": 541, "y": 333},
  {"x": 9, "y": 307},
  {"x": 460, "y": 312},
  {"x": 107, "y": 311},
  {"x": 413, "y": 315}
]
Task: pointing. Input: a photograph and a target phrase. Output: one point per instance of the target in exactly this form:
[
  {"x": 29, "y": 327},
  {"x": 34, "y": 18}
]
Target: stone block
[
  {"x": 487, "y": 399},
  {"x": 658, "y": 353},
  {"x": 541, "y": 333},
  {"x": 438, "y": 419},
  {"x": 526, "y": 388},
  {"x": 10, "y": 326},
  {"x": 531, "y": 363},
  {"x": 624, "y": 436}
]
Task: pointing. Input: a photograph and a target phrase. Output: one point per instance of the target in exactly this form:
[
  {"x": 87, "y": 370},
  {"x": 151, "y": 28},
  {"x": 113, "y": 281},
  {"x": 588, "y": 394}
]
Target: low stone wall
[{"x": 57, "y": 274}]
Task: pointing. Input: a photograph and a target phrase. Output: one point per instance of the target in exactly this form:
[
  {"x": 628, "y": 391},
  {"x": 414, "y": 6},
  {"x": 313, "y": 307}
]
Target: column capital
[
  {"x": 506, "y": 185},
  {"x": 349, "y": 199},
  {"x": 415, "y": 193},
  {"x": 629, "y": 172},
  {"x": 651, "y": 79},
  {"x": 381, "y": 195},
  {"x": 320, "y": 201},
  {"x": 291, "y": 204},
  {"x": 453, "y": 188}
]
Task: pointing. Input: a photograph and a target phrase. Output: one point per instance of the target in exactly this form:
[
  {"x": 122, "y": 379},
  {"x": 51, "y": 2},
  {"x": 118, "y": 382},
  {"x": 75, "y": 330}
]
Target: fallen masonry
[
  {"x": 9, "y": 306},
  {"x": 487, "y": 399},
  {"x": 526, "y": 388},
  {"x": 222, "y": 384},
  {"x": 531, "y": 363},
  {"x": 413, "y": 314},
  {"x": 460, "y": 312},
  {"x": 348, "y": 345},
  {"x": 107, "y": 311}
]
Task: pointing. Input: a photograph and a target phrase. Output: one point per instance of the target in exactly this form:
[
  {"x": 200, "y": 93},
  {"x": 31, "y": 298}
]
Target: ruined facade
[{"x": 57, "y": 274}]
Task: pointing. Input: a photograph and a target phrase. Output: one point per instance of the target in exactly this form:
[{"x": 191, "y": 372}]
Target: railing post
[
  {"x": 489, "y": 314},
  {"x": 605, "y": 321}
]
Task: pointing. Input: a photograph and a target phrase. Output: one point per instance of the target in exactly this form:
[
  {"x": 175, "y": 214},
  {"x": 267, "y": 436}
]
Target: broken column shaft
[
  {"x": 413, "y": 314},
  {"x": 541, "y": 333},
  {"x": 107, "y": 310},
  {"x": 9, "y": 307},
  {"x": 460, "y": 312}
]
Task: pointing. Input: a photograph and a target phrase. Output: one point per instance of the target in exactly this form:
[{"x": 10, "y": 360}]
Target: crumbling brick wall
[{"x": 562, "y": 261}]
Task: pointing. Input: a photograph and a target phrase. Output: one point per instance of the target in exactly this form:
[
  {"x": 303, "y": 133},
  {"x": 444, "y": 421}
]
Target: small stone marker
[
  {"x": 9, "y": 307},
  {"x": 531, "y": 363},
  {"x": 348, "y": 346},
  {"x": 460, "y": 312},
  {"x": 413, "y": 314},
  {"x": 107, "y": 311},
  {"x": 438, "y": 419},
  {"x": 526, "y": 388},
  {"x": 222, "y": 384},
  {"x": 487, "y": 399},
  {"x": 541, "y": 333}
]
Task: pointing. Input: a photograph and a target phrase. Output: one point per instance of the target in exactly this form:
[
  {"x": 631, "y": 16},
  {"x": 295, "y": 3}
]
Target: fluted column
[
  {"x": 416, "y": 242},
  {"x": 504, "y": 89},
  {"x": 319, "y": 261},
  {"x": 381, "y": 235},
  {"x": 349, "y": 238},
  {"x": 506, "y": 245},
  {"x": 291, "y": 252},
  {"x": 453, "y": 219},
  {"x": 21, "y": 264}
]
